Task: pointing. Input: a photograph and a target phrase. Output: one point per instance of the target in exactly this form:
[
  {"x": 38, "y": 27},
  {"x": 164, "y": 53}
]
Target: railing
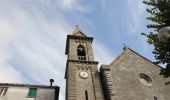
[{"x": 82, "y": 57}]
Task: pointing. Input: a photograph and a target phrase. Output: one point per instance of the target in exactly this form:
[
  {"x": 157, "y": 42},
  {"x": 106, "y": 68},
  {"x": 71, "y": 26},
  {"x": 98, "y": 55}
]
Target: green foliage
[{"x": 160, "y": 17}]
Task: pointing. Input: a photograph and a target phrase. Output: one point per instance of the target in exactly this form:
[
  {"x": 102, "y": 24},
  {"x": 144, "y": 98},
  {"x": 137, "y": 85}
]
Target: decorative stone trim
[
  {"x": 80, "y": 41},
  {"x": 83, "y": 68},
  {"x": 145, "y": 80},
  {"x": 83, "y": 61}
]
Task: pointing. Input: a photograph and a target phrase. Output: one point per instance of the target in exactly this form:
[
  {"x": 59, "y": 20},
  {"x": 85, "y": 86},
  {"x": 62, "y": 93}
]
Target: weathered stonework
[
  {"x": 129, "y": 77},
  {"x": 134, "y": 78},
  {"x": 77, "y": 87},
  {"x": 107, "y": 82}
]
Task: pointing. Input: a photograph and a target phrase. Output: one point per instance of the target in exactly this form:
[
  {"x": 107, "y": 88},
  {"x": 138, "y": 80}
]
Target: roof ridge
[
  {"x": 144, "y": 57},
  {"x": 117, "y": 57},
  {"x": 77, "y": 29},
  {"x": 128, "y": 48}
]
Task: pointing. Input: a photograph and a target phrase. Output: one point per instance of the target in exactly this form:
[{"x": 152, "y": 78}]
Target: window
[
  {"x": 32, "y": 92},
  {"x": 81, "y": 53},
  {"x": 86, "y": 94},
  {"x": 3, "y": 91},
  {"x": 145, "y": 79}
]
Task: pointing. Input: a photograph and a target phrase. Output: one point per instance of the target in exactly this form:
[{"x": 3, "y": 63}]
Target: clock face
[{"x": 84, "y": 74}]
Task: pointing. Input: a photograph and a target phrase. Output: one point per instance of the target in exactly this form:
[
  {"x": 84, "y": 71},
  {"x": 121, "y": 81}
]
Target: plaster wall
[
  {"x": 20, "y": 93},
  {"x": 45, "y": 94}
]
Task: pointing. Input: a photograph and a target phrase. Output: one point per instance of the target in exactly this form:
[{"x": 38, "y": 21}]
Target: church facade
[{"x": 129, "y": 77}]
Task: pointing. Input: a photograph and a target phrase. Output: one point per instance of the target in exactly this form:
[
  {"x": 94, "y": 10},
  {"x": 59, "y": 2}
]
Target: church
[{"x": 128, "y": 77}]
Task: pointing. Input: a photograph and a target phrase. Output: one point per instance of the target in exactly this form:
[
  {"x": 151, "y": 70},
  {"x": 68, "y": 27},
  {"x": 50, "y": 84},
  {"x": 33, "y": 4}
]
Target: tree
[{"x": 159, "y": 11}]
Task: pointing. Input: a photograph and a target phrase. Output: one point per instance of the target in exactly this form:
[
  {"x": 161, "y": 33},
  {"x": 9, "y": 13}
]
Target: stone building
[
  {"x": 82, "y": 76},
  {"x": 28, "y": 92},
  {"x": 133, "y": 77},
  {"x": 129, "y": 77}
]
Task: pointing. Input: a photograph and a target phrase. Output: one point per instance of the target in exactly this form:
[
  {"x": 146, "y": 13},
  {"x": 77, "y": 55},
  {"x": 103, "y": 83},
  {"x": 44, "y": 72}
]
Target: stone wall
[
  {"x": 76, "y": 86},
  {"x": 136, "y": 78}
]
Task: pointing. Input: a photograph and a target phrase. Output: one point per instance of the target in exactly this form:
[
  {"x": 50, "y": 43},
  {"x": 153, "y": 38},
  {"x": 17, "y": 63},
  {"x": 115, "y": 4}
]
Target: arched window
[{"x": 81, "y": 53}]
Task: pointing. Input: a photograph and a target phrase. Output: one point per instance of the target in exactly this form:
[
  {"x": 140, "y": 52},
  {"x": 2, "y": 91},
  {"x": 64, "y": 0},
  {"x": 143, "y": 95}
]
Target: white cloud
[
  {"x": 7, "y": 72},
  {"x": 77, "y": 5},
  {"x": 32, "y": 42},
  {"x": 137, "y": 9},
  {"x": 102, "y": 53}
]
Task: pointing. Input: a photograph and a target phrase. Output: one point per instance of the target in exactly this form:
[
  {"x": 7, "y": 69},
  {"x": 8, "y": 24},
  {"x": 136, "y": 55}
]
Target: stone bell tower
[{"x": 82, "y": 77}]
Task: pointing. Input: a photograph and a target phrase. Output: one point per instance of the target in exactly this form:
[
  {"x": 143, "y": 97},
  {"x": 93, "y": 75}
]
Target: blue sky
[{"x": 33, "y": 35}]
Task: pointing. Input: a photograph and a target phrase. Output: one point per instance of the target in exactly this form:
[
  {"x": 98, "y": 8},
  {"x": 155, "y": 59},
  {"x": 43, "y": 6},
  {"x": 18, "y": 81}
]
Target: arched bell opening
[{"x": 81, "y": 52}]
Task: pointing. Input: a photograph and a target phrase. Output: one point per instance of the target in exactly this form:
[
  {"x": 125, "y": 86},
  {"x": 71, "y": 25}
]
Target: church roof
[
  {"x": 77, "y": 34},
  {"x": 126, "y": 50}
]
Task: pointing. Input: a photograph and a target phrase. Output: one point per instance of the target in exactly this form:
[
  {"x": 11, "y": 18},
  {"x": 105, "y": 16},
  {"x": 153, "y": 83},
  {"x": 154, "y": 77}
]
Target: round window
[{"x": 145, "y": 79}]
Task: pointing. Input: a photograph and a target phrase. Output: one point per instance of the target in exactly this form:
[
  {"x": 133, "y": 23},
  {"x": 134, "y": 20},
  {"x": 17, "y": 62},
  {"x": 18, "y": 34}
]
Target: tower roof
[
  {"x": 77, "y": 34},
  {"x": 78, "y": 31}
]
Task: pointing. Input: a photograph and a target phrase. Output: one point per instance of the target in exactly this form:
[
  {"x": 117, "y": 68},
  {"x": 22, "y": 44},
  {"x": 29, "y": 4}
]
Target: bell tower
[{"x": 82, "y": 77}]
